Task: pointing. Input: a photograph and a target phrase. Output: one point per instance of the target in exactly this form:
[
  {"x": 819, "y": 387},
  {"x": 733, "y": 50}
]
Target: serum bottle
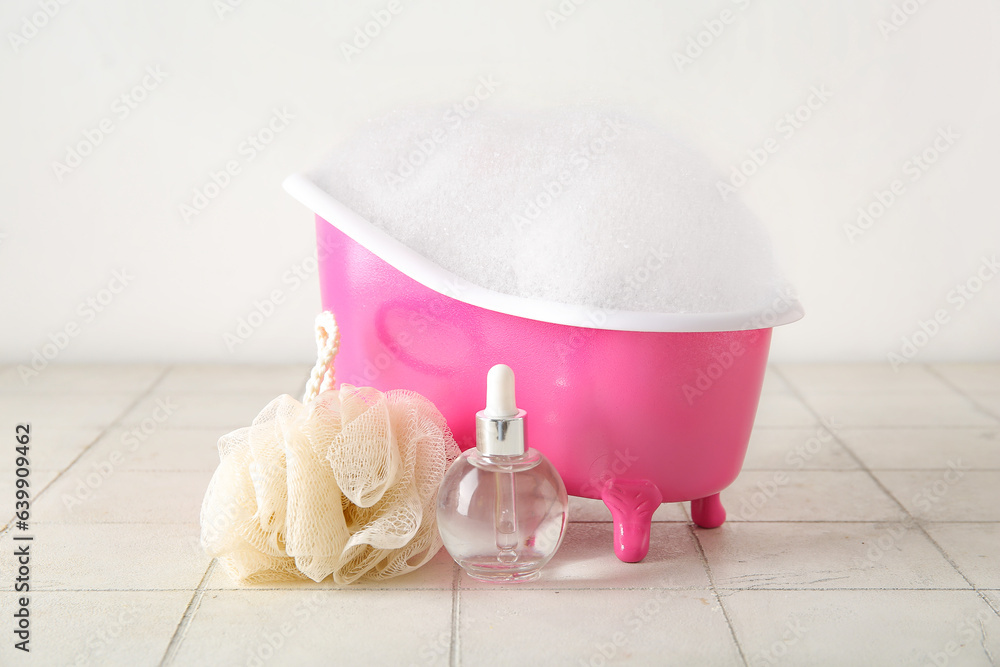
[{"x": 502, "y": 507}]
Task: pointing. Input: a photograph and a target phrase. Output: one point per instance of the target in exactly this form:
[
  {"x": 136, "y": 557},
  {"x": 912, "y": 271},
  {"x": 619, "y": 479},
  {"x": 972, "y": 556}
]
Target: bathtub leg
[
  {"x": 632, "y": 503},
  {"x": 708, "y": 512}
]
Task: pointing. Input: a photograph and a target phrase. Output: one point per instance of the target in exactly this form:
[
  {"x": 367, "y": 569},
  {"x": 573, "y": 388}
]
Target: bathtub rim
[{"x": 785, "y": 307}]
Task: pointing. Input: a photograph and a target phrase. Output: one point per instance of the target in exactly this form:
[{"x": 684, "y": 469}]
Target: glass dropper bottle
[{"x": 502, "y": 507}]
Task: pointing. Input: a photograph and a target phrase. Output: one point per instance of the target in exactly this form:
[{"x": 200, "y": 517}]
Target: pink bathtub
[{"x": 636, "y": 409}]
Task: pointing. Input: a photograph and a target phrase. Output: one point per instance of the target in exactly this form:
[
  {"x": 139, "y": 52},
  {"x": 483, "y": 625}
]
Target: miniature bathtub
[{"x": 633, "y": 408}]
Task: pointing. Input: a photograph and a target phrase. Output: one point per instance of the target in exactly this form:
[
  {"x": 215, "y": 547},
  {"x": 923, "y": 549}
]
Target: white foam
[{"x": 579, "y": 206}]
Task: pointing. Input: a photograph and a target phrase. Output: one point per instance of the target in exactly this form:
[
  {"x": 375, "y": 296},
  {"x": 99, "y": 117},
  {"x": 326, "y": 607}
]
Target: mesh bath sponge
[{"x": 343, "y": 485}]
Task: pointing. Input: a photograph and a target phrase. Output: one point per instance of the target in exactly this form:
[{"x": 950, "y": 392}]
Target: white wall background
[{"x": 61, "y": 240}]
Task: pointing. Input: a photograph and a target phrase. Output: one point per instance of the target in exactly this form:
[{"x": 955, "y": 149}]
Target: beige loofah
[{"x": 344, "y": 485}]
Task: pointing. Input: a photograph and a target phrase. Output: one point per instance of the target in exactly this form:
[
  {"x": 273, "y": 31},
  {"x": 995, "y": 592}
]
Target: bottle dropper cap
[{"x": 500, "y": 426}]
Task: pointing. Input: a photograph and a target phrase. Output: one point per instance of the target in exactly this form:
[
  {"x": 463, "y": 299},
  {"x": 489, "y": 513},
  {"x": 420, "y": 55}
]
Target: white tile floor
[{"x": 864, "y": 530}]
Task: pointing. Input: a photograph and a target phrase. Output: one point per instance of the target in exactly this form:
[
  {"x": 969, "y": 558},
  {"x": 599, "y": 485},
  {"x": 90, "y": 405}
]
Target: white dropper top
[
  {"x": 500, "y": 392},
  {"x": 500, "y": 426}
]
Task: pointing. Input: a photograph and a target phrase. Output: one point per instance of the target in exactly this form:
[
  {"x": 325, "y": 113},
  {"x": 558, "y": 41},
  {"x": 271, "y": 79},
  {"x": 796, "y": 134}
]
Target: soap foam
[{"x": 580, "y": 206}]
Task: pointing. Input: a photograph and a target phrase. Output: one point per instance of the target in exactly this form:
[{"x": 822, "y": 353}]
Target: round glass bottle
[
  {"x": 502, "y": 517},
  {"x": 502, "y": 506}
]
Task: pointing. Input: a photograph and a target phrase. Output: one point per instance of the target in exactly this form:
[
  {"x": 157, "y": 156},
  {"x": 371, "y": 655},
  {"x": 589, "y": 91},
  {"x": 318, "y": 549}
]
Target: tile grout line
[
  {"x": 961, "y": 392},
  {"x": 502, "y": 591},
  {"x": 715, "y": 591},
  {"x": 104, "y": 431},
  {"x": 454, "y": 659},
  {"x": 996, "y": 609},
  {"x": 187, "y": 617},
  {"x": 733, "y": 521},
  {"x": 862, "y": 466},
  {"x": 912, "y": 520},
  {"x": 672, "y": 522},
  {"x": 951, "y": 562}
]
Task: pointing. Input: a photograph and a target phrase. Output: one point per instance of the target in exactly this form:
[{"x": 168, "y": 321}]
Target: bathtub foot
[
  {"x": 632, "y": 503},
  {"x": 708, "y": 512}
]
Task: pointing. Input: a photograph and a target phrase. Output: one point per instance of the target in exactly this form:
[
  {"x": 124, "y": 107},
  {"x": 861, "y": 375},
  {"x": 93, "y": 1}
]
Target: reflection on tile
[
  {"x": 591, "y": 509},
  {"x": 956, "y": 494},
  {"x": 864, "y": 627},
  {"x": 818, "y": 555},
  {"x": 644, "y": 627},
  {"x": 96, "y": 628},
  {"x": 586, "y": 559},
  {"x": 437, "y": 574},
  {"x": 384, "y": 627}
]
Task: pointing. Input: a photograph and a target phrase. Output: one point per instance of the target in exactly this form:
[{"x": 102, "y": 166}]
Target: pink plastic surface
[{"x": 633, "y": 418}]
